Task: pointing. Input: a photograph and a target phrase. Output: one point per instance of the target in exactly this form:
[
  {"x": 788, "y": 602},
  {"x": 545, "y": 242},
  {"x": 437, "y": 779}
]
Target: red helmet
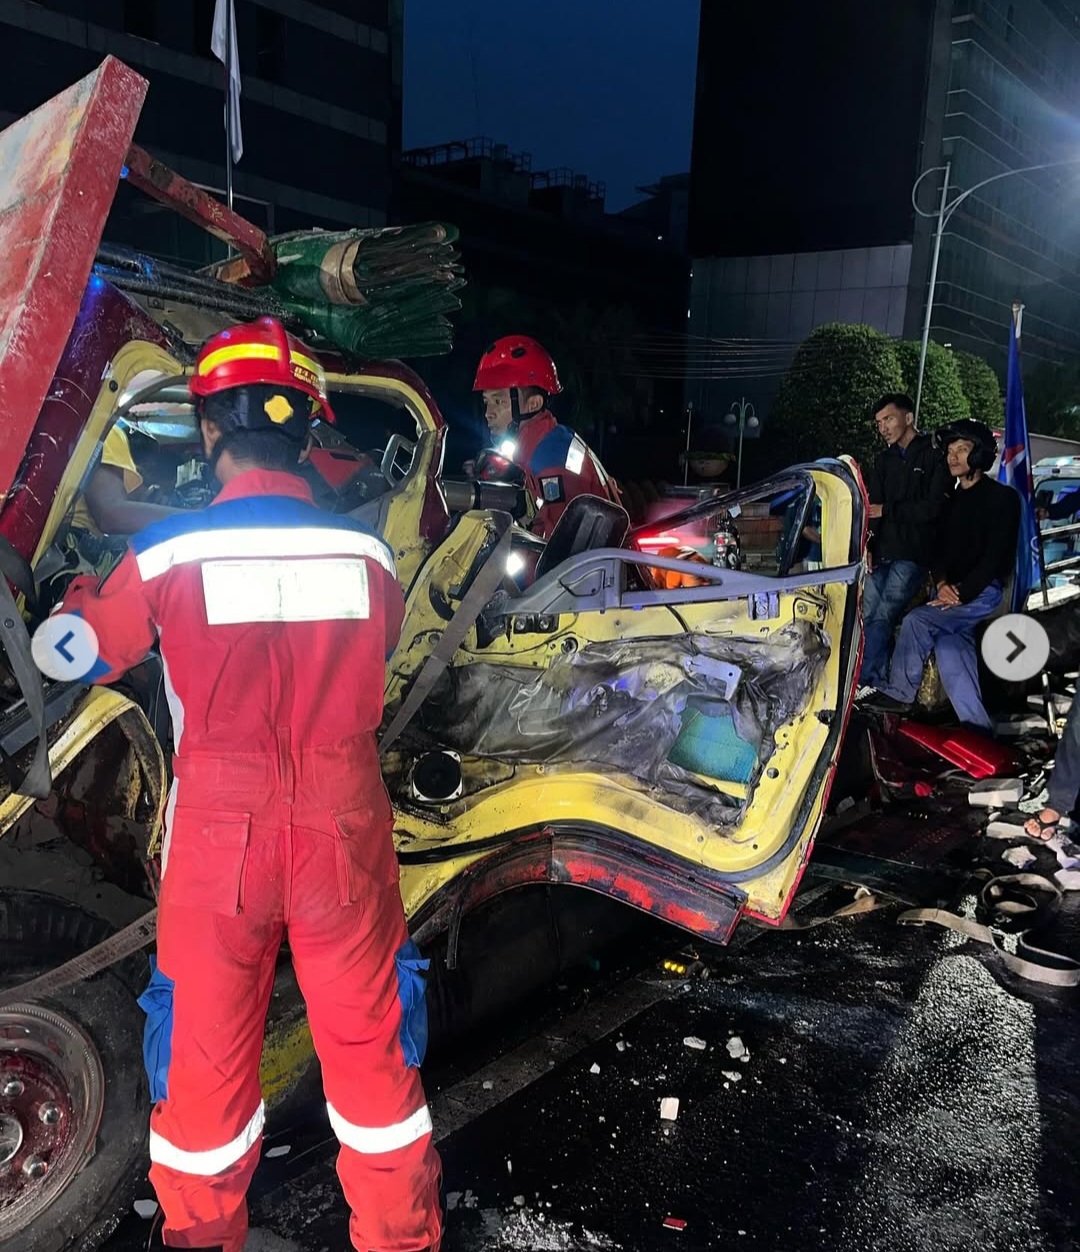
[
  {"x": 255, "y": 353},
  {"x": 517, "y": 361}
]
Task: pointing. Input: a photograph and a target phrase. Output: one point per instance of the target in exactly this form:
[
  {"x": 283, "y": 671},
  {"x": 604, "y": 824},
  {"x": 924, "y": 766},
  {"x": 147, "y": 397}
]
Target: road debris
[
  {"x": 995, "y": 793},
  {"x": 674, "y": 1223},
  {"x": 488, "y": 1085},
  {"x": 525, "y": 1230},
  {"x": 146, "y": 1208},
  {"x": 283, "y": 1149},
  {"x": 1066, "y": 851},
  {"x": 1004, "y": 829},
  {"x": 669, "y": 1108},
  {"x": 692, "y": 1041},
  {"x": 732, "y": 1075},
  {"x": 594, "y": 1068},
  {"x": 737, "y": 1050},
  {"x": 1020, "y": 857}
]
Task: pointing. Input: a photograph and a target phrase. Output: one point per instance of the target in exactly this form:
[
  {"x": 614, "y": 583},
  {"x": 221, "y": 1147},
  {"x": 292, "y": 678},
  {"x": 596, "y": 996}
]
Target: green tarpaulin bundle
[{"x": 373, "y": 293}]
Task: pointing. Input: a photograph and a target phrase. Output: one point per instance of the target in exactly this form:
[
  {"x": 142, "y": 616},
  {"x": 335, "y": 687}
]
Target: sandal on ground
[{"x": 1038, "y": 830}]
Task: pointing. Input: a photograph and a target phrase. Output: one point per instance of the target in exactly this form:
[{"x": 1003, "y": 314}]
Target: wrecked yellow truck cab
[
  {"x": 669, "y": 747},
  {"x": 658, "y": 730}
]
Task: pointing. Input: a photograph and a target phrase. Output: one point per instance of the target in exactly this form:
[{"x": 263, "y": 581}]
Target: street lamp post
[
  {"x": 742, "y": 413},
  {"x": 946, "y": 209}
]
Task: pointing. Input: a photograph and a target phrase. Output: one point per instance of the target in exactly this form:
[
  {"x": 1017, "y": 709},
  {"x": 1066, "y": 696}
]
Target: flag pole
[
  {"x": 230, "y": 37},
  {"x": 1029, "y": 470}
]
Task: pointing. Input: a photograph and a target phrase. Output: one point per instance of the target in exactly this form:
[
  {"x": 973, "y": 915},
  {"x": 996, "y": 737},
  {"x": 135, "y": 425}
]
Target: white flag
[{"x": 225, "y": 21}]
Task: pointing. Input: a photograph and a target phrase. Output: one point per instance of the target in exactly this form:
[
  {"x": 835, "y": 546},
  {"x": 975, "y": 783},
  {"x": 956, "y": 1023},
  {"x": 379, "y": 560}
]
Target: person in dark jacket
[
  {"x": 908, "y": 488},
  {"x": 972, "y": 560}
]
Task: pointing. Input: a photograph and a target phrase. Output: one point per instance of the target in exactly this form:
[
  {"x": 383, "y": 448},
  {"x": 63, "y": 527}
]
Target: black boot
[
  {"x": 879, "y": 702},
  {"x": 157, "y": 1240}
]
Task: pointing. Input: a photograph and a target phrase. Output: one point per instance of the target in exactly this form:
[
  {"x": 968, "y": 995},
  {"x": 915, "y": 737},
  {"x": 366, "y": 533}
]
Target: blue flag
[{"x": 1016, "y": 472}]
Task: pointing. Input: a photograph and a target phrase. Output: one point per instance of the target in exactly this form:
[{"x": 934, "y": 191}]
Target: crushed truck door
[{"x": 654, "y": 727}]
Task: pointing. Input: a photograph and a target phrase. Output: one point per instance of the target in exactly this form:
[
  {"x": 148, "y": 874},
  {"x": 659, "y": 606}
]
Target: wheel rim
[{"x": 52, "y": 1091}]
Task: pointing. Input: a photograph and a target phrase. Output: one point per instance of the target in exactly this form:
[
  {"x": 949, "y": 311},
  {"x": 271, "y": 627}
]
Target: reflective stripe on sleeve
[{"x": 575, "y": 456}]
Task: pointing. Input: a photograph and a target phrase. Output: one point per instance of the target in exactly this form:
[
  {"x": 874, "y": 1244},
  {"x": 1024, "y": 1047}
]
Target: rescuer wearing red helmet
[
  {"x": 274, "y": 621},
  {"x": 517, "y": 377}
]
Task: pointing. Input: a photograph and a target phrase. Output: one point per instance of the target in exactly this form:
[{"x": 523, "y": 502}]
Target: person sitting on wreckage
[{"x": 972, "y": 566}]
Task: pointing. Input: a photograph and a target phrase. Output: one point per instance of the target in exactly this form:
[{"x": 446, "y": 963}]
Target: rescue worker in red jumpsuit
[
  {"x": 274, "y": 621},
  {"x": 517, "y": 377}
]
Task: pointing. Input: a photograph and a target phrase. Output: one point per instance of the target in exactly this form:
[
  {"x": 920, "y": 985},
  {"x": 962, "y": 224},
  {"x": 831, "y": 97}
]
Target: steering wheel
[{"x": 395, "y": 446}]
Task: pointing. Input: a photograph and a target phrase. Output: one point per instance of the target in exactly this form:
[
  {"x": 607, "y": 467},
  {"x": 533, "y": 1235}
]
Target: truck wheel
[{"x": 74, "y": 1103}]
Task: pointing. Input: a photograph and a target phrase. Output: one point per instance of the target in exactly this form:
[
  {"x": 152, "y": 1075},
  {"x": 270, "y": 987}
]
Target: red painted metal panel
[
  {"x": 59, "y": 167},
  {"x": 106, "y": 320},
  {"x": 975, "y": 753}
]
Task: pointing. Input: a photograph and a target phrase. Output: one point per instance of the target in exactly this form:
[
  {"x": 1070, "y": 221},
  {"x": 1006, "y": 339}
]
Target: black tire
[{"x": 37, "y": 932}]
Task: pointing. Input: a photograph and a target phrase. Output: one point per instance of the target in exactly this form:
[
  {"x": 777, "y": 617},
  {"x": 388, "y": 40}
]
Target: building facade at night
[
  {"x": 809, "y": 139},
  {"x": 320, "y": 104},
  {"x": 543, "y": 257}
]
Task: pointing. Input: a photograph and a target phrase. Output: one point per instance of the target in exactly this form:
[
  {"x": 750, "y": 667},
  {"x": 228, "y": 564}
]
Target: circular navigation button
[
  {"x": 65, "y": 647},
  {"x": 1015, "y": 647}
]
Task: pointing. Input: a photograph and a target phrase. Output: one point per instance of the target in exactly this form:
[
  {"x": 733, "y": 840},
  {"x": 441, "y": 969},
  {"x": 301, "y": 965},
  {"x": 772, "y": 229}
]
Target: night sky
[{"x": 605, "y": 87}]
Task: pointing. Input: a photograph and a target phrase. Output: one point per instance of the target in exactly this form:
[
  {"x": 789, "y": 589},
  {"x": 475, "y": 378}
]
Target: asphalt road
[
  {"x": 902, "y": 1092},
  {"x": 897, "y": 1096}
]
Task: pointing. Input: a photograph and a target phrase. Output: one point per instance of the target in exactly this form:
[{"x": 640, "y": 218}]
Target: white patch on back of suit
[{"x": 316, "y": 589}]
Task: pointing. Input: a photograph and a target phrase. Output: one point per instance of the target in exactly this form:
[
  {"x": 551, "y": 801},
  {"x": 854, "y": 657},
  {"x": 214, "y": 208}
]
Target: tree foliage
[
  {"x": 943, "y": 399},
  {"x": 982, "y": 388},
  {"x": 1052, "y": 399},
  {"x": 825, "y": 400}
]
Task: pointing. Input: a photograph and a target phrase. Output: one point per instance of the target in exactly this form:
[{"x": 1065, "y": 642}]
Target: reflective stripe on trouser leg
[
  {"x": 205, "y": 1136},
  {"x": 345, "y": 964},
  {"x": 371, "y": 1140},
  {"x": 209, "y": 1162}
]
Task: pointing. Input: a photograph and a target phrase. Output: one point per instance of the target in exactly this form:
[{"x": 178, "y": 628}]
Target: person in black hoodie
[
  {"x": 908, "y": 487},
  {"x": 972, "y": 561}
]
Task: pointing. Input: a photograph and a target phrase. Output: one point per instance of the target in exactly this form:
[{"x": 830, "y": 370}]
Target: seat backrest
[{"x": 587, "y": 522}]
